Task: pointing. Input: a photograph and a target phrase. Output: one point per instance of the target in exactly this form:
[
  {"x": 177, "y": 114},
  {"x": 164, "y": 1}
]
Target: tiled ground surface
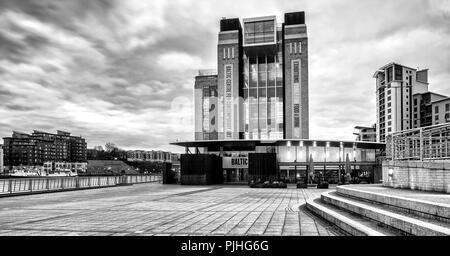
[
  {"x": 156, "y": 209},
  {"x": 433, "y": 197}
]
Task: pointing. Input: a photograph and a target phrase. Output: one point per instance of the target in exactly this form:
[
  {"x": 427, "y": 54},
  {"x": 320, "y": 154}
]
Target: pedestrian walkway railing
[
  {"x": 426, "y": 143},
  {"x": 48, "y": 184}
]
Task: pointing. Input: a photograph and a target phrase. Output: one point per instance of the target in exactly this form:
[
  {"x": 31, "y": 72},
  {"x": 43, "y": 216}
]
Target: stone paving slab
[{"x": 155, "y": 209}]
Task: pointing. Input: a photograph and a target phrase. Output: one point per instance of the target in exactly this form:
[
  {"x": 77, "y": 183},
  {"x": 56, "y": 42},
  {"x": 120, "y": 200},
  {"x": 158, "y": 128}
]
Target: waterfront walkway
[{"x": 156, "y": 209}]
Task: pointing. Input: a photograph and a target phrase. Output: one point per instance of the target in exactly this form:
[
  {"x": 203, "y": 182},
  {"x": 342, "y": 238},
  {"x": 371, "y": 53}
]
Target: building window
[
  {"x": 295, "y": 47},
  {"x": 228, "y": 53},
  {"x": 436, "y": 117},
  {"x": 389, "y": 116},
  {"x": 389, "y": 123},
  {"x": 389, "y": 129},
  {"x": 389, "y": 110},
  {"x": 224, "y": 53},
  {"x": 389, "y": 92},
  {"x": 415, "y": 101},
  {"x": 290, "y": 48},
  {"x": 232, "y": 52},
  {"x": 447, "y": 107},
  {"x": 436, "y": 109},
  {"x": 389, "y": 104},
  {"x": 389, "y": 98},
  {"x": 299, "y": 47}
]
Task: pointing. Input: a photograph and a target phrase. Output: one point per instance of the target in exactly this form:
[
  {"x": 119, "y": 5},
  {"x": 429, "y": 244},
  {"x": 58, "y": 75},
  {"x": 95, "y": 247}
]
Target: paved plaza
[{"x": 156, "y": 209}]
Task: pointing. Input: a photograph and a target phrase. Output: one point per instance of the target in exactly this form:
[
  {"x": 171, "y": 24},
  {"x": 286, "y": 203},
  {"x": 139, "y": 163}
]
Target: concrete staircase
[{"x": 364, "y": 213}]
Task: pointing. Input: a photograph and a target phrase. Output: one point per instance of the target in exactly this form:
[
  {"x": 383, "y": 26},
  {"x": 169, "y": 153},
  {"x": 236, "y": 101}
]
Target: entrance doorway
[{"x": 236, "y": 175}]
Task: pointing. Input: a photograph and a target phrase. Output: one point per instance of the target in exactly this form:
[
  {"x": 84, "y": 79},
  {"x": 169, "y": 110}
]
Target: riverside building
[
  {"x": 44, "y": 151},
  {"x": 260, "y": 88},
  {"x": 252, "y": 114}
]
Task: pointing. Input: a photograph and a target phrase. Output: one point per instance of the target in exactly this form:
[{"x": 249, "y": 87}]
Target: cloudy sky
[{"x": 123, "y": 71}]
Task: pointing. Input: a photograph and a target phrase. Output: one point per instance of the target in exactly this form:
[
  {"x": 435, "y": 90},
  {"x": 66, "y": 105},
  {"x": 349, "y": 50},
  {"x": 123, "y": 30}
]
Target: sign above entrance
[{"x": 234, "y": 162}]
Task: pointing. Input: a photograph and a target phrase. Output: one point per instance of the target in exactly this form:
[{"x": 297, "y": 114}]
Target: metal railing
[
  {"x": 426, "y": 143},
  {"x": 31, "y": 185}
]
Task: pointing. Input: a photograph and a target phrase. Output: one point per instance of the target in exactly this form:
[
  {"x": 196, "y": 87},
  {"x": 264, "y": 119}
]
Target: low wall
[{"x": 418, "y": 175}]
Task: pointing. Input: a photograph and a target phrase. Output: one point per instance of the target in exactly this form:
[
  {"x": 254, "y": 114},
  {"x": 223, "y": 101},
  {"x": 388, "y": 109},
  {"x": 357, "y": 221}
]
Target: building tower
[
  {"x": 395, "y": 86},
  {"x": 262, "y": 81},
  {"x": 296, "y": 76},
  {"x": 229, "y": 78}
]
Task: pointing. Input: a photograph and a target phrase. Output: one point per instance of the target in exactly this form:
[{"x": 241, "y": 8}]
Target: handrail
[
  {"x": 425, "y": 143},
  {"x": 49, "y": 184}
]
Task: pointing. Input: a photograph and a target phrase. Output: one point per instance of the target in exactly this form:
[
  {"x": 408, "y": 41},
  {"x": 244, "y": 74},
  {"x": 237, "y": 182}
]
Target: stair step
[
  {"x": 351, "y": 223},
  {"x": 408, "y": 223},
  {"x": 427, "y": 209}
]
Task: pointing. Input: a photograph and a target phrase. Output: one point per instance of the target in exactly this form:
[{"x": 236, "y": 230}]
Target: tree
[
  {"x": 99, "y": 148},
  {"x": 110, "y": 147}
]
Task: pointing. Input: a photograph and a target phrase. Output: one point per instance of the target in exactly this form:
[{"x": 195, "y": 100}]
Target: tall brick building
[{"x": 260, "y": 90}]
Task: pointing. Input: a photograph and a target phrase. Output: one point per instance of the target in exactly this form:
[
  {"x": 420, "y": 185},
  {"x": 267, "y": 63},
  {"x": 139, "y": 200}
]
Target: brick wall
[
  {"x": 418, "y": 175},
  {"x": 299, "y": 33},
  {"x": 229, "y": 41}
]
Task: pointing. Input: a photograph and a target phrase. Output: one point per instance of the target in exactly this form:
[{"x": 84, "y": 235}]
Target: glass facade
[
  {"x": 259, "y": 32},
  {"x": 324, "y": 154},
  {"x": 263, "y": 96}
]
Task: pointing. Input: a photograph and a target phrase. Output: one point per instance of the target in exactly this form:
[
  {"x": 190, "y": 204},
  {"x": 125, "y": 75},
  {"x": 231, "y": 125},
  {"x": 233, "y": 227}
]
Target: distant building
[
  {"x": 426, "y": 106},
  {"x": 395, "y": 86},
  {"x": 441, "y": 111},
  {"x": 33, "y": 150},
  {"x": 152, "y": 156},
  {"x": 404, "y": 102},
  {"x": 366, "y": 133}
]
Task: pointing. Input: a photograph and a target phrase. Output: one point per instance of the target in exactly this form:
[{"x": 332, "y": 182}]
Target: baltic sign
[
  {"x": 234, "y": 162},
  {"x": 228, "y": 101}
]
